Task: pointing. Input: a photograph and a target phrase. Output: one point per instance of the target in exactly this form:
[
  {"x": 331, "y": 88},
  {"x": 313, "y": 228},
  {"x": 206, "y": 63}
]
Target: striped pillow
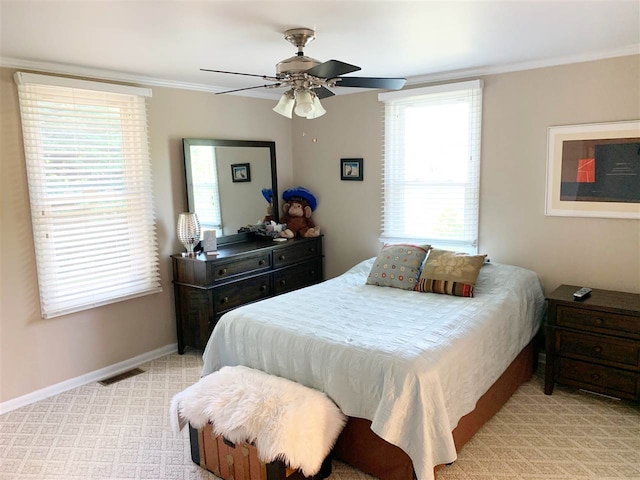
[{"x": 450, "y": 273}]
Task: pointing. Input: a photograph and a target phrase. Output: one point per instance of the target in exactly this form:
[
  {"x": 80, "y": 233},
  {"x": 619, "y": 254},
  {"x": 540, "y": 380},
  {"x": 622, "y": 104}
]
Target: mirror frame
[{"x": 187, "y": 142}]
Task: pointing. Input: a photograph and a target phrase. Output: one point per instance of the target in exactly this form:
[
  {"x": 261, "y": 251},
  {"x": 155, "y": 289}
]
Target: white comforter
[{"x": 413, "y": 363}]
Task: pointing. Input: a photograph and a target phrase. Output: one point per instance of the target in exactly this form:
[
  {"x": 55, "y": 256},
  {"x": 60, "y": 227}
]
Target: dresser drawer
[
  {"x": 599, "y": 347},
  {"x": 244, "y": 291},
  {"x": 598, "y": 378},
  {"x": 296, "y": 253},
  {"x": 597, "y": 321},
  {"x": 297, "y": 276},
  {"x": 220, "y": 271}
]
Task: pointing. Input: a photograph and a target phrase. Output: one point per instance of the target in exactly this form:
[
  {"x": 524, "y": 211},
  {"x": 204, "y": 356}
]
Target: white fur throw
[{"x": 285, "y": 420}]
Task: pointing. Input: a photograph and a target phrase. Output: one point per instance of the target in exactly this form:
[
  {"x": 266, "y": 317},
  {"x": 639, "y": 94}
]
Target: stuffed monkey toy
[{"x": 299, "y": 203}]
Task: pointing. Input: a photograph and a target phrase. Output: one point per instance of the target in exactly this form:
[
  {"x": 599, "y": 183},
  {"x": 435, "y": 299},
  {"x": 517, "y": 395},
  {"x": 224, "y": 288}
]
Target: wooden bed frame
[{"x": 358, "y": 446}]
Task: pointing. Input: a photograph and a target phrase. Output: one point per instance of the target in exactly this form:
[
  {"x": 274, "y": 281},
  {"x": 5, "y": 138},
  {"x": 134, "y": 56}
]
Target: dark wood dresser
[
  {"x": 594, "y": 343},
  {"x": 244, "y": 271}
]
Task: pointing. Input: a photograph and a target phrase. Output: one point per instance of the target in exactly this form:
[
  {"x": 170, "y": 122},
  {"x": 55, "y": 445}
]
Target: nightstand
[{"x": 594, "y": 344}]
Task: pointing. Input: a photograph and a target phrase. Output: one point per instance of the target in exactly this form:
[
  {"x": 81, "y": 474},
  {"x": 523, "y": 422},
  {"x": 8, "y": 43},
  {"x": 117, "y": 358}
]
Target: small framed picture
[
  {"x": 241, "y": 172},
  {"x": 351, "y": 169}
]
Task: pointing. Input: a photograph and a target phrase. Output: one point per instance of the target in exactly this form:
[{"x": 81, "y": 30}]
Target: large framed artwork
[{"x": 593, "y": 170}]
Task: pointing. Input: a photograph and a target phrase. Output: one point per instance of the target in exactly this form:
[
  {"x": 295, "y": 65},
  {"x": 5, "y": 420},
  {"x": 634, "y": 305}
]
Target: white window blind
[
  {"x": 431, "y": 165},
  {"x": 89, "y": 174}
]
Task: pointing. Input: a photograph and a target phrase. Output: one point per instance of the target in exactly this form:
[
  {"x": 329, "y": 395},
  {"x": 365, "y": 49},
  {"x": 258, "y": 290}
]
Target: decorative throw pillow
[
  {"x": 398, "y": 266},
  {"x": 451, "y": 273}
]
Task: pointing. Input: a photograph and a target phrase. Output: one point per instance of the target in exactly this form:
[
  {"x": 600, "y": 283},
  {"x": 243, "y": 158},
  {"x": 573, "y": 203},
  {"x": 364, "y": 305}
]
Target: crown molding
[
  {"x": 521, "y": 66},
  {"x": 115, "y": 76}
]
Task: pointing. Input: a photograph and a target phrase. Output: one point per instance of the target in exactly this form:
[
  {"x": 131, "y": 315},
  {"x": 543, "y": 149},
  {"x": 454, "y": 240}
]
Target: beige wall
[
  {"x": 348, "y": 212},
  {"x": 518, "y": 108},
  {"x": 36, "y": 353}
]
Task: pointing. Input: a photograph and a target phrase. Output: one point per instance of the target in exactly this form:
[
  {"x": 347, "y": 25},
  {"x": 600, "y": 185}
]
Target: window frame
[
  {"x": 394, "y": 228},
  {"x": 88, "y": 168}
]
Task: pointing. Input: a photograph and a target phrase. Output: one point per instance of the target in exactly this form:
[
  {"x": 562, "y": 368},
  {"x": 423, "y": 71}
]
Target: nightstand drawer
[
  {"x": 599, "y": 347},
  {"x": 597, "y": 321},
  {"x": 598, "y": 378}
]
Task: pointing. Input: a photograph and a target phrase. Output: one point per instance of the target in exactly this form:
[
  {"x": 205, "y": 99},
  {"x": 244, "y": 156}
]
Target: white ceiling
[{"x": 166, "y": 43}]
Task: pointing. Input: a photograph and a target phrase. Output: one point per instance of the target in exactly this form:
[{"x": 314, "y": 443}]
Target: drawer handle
[
  {"x": 283, "y": 282},
  {"x": 597, "y": 349},
  {"x": 225, "y": 300},
  {"x": 595, "y": 376},
  {"x": 261, "y": 262},
  {"x": 312, "y": 273},
  {"x": 599, "y": 321},
  {"x": 312, "y": 249},
  {"x": 281, "y": 257},
  {"x": 222, "y": 271},
  {"x": 263, "y": 288}
]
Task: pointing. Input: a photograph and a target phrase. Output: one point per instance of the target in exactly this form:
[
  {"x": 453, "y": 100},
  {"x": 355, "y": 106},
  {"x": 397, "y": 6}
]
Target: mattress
[{"x": 413, "y": 363}]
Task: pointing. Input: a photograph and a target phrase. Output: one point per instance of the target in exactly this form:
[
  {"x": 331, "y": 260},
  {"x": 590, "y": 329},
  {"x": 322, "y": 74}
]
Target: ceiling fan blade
[
  {"x": 271, "y": 85},
  {"x": 233, "y": 73},
  {"x": 371, "y": 82},
  {"x": 332, "y": 69},
  {"x": 323, "y": 92}
]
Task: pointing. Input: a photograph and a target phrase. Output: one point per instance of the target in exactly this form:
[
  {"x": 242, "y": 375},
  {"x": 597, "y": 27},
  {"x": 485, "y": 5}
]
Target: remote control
[{"x": 582, "y": 293}]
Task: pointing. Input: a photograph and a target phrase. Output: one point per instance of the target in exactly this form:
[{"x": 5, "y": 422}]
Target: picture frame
[
  {"x": 351, "y": 169},
  {"x": 241, "y": 172},
  {"x": 593, "y": 170}
]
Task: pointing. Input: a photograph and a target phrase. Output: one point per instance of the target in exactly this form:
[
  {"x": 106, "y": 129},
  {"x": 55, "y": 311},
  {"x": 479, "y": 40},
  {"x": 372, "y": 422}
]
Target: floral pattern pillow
[
  {"x": 450, "y": 273},
  {"x": 398, "y": 266}
]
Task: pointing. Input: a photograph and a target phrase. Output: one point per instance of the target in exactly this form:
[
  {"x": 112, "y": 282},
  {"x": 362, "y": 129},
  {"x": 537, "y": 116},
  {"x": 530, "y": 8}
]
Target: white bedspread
[{"x": 413, "y": 363}]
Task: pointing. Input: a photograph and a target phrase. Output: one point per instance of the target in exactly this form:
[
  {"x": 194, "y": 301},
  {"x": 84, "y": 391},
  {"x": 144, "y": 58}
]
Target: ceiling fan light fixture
[
  {"x": 304, "y": 103},
  {"x": 318, "y": 109},
  {"x": 309, "y": 78},
  {"x": 285, "y": 104}
]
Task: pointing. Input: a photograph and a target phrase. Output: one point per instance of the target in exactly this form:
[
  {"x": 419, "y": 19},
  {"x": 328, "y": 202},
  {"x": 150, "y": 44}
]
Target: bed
[{"x": 407, "y": 365}]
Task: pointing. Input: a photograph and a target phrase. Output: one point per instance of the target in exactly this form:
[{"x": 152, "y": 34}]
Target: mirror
[{"x": 225, "y": 179}]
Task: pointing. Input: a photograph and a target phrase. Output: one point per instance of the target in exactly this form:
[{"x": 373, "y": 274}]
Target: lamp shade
[
  {"x": 318, "y": 109},
  {"x": 188, "y": 230},
  {"x": 304, "y": 103},
  {"x": 285, "y": 105}
]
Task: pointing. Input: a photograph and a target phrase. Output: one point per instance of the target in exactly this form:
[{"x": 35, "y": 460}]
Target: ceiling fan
[{"x": 310, "y": 80}]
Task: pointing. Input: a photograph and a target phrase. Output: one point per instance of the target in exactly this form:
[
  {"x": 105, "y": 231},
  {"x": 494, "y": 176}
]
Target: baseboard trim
[{"x": 94, "y": 376}]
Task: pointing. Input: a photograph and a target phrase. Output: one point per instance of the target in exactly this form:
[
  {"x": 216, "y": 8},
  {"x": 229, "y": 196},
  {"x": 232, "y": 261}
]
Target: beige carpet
[{"x": 121, "y": 432}]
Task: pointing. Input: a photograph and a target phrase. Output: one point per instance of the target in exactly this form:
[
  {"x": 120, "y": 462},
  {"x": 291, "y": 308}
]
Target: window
[
  {"x": 89, "y": 174},
  {"x": 431, "y": 167}
]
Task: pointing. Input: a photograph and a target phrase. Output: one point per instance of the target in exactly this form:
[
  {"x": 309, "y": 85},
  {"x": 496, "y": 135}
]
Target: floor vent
[{"x": 116, "y": 378}]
